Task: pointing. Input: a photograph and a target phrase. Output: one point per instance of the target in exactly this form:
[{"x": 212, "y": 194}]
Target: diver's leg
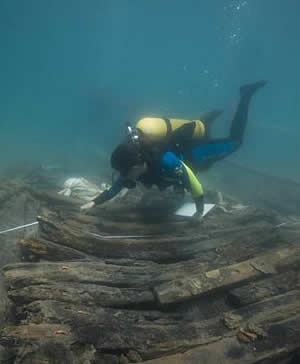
[
  {"x": 240, "y": 119},
  {"x": 204, "y": 155},
  {"x": 207, "y": 119}
]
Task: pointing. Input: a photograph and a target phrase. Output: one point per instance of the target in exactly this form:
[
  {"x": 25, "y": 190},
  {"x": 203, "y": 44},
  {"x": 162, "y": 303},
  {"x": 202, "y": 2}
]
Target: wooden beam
[
  {"x": 227, "y": 277},
  {"x": 266, "y": 288}
]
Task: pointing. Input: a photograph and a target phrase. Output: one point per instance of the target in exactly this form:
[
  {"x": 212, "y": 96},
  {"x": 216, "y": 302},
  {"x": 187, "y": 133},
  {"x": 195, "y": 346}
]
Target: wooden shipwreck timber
[{"x": 131, "y": 283}]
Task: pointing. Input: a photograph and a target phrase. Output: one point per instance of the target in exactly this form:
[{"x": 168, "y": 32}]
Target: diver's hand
[
  {"x": 197, "y": 218},
  {"x": 87, "y": 206}
]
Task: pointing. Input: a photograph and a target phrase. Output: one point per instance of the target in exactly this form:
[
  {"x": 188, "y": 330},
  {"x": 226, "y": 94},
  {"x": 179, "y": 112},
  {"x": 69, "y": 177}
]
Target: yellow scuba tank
[{"x": 158, "y": 128}]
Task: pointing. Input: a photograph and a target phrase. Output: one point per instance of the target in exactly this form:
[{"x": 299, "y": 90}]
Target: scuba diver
[{"x": 164, "y": 152}]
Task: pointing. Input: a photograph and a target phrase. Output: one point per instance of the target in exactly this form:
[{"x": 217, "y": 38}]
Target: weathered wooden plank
[
  {"x": 281, "y": 330},
  {"x": 257, "y": 291},
  {"x": 44, "y": 343},
  {"x": 282, "y": 307},
  {"x": 256, "y": 317},
  {"x": 161, "y": 248},
  {"x": 116, "y": 273},
  {"x": 113, "y": 285},
  {"x": 231, "y": 351},
  {"x": 171, "y": 336},
  {"x": 151, "y": 333},
  {"x": 34, "y": 250},
  {"x": 226, "y": 277},
  {"x": 35, "y": 332},
  {"x": 5, "y": 304},
  {"x": 28, "y": 274},
  {"x": 5, "y": 355},
  {"x": 109, "y": 330},
  {"x": 83, "y": 294},
  {"x": 236, "y": 244},
  {"x": 117, "y": 331}
]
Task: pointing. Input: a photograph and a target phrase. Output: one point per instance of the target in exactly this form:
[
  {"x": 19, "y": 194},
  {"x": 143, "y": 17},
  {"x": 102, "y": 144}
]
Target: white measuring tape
[
  {"x": 123, "y": 236},
  {"x": 19, "y": 227}
]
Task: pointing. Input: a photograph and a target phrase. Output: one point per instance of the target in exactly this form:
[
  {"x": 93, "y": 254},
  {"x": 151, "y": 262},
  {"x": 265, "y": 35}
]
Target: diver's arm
[
  {"x": 176, "y": 168},
  {"x": 192, "y": 183},
  {"x": 106, "y": 195},
  {"x": 110, "y": 193}
]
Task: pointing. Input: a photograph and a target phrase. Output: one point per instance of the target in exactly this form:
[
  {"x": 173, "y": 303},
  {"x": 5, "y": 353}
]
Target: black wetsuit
[{"x": 208, "y": 151}]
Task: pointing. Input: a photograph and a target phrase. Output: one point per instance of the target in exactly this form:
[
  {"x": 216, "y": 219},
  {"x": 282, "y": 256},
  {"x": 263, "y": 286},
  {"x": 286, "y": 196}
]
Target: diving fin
[{"x": 251, "y": 88}]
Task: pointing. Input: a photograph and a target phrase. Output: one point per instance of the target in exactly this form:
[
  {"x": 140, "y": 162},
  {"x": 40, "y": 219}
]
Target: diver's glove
[
  {"x": 103, "y": 197},
  {"x": 87, "y": 206},
  {"x": 198, "y": 215},
  {"x": 199, "y": 201},
  {"x": 97, "y": 201}
]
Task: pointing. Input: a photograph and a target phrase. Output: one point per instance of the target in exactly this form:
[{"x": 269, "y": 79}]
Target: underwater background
[{"x": 73, "y": 72}]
